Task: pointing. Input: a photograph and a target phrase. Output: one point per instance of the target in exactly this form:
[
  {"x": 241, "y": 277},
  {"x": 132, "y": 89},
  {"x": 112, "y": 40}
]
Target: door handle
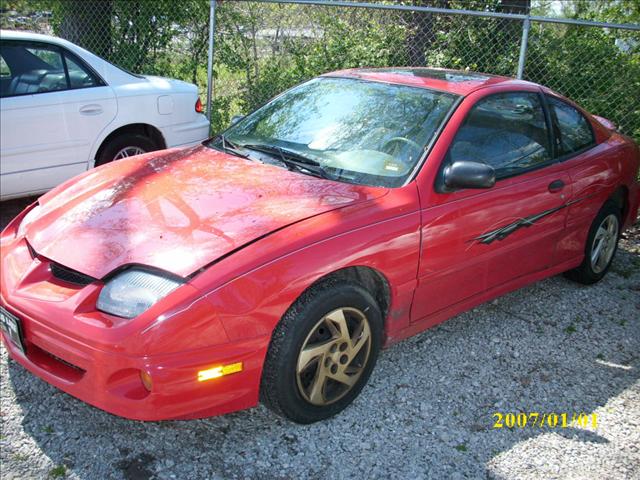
[
  {"x": 556, "y": 186},
  {"x": 91, "y": 109}
]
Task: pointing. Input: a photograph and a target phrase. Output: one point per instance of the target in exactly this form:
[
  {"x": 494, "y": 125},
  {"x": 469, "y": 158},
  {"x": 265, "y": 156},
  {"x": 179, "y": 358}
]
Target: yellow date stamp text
[{"x": 545, "y": 420}]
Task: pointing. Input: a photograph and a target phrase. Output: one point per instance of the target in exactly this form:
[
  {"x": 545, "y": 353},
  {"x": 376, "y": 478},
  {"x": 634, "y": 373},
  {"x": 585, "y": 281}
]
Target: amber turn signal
[
  {"x": 217, "y": 372},
  {"x": 146, "y": 380}
]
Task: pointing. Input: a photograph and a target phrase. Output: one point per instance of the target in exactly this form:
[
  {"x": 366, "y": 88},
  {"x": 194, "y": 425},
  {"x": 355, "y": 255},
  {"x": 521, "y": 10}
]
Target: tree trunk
[
  {"x": 87, "y": 23},
  {"x": 423, "y": 25},
  {"x": 522, "y": 7},
  {"x": 422, "y": 28}
]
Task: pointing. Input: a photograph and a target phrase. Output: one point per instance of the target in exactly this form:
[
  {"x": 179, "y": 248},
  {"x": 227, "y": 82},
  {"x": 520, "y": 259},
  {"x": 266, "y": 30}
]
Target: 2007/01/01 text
[{"x": 545, "y": 420}]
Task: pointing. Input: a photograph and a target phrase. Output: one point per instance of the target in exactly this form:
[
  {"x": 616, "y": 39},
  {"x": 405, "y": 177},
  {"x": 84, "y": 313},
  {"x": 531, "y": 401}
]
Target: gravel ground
[{"x": 426, "y": 413}]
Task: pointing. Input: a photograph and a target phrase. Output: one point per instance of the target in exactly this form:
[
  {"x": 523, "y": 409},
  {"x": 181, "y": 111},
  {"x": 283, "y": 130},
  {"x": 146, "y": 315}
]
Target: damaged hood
[{"x": 176, "y": 210}]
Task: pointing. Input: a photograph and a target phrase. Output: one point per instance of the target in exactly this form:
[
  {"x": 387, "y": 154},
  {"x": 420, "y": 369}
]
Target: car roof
[
  {"x": 458, "y": 82},
  {"x": 18, "y": 35}
]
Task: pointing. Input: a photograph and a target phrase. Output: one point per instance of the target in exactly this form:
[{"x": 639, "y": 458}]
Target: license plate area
[{"x": 12, "y": 328}]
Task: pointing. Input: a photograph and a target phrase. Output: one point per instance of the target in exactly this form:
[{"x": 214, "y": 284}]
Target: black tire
[
  {"x": 585, "y": 273},
  {"x": 280, "y": 389},
  {"x": 115, "y": 145}
]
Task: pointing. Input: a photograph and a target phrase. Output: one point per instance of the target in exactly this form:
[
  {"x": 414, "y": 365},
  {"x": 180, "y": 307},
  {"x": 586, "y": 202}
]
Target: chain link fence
[{"x": 264, "y": 47}]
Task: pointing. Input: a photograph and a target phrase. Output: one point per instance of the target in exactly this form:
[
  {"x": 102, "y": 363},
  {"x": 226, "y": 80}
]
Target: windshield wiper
[
  {"x": 229, "y": 146},
  {"x": 283, "y": 153},
  {"x": 292, "y": 159}
]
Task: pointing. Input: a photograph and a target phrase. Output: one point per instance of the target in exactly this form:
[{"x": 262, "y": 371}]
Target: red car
[{"x": 273, "y": 262}]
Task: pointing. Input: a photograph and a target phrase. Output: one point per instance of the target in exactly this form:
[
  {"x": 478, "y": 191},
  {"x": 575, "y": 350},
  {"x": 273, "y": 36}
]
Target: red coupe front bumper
[{"x": 112, "y": 382}]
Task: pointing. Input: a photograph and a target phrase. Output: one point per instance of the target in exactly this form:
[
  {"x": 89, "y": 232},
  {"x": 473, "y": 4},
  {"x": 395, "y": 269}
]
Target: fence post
[
  {"x": 212, "y": 32},
  {"x": 523, "y": 46}
]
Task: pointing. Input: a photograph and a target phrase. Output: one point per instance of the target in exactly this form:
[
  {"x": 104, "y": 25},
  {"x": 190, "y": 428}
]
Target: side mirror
[
  {"x": 469, "y": 175},
  {"x": 236, "y": 118}
]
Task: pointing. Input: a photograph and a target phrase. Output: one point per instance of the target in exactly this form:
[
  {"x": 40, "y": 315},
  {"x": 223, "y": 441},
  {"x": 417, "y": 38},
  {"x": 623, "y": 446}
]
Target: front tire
[
  {"x": 322, "y": 352},
  {"x": 601, "y": 247}
]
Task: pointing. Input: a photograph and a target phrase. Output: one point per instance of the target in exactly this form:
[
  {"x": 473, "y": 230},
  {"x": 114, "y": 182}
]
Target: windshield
[{"x": 351, "y": 130}]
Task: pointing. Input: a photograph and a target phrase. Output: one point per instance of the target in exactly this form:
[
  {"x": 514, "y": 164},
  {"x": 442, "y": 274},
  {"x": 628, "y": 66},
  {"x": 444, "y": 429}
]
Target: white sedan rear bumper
[{"x": 186, "y": 134}]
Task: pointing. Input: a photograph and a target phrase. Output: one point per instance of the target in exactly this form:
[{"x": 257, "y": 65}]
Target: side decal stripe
[{"x": 503, "y": 232}]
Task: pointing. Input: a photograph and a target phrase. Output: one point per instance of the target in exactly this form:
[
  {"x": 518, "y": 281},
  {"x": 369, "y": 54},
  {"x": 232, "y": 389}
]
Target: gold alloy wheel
[
  {"x": 604, "y": 243},
  {"x": 333, "y": 356}
]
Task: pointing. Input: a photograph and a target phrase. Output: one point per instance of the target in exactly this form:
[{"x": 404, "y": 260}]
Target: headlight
[{"x": 133, "y": 292}]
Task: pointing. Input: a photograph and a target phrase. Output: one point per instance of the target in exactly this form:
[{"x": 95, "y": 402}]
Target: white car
[{"x": 64, "y": 110}]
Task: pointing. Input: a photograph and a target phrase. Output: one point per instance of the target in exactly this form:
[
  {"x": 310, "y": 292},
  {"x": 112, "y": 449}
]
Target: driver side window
[{"x": 507, "y": 131}]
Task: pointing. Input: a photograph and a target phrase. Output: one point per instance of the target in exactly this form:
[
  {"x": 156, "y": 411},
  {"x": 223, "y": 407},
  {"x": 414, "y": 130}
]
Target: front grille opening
[
  {"x": 70, "y": 276},
  {"x": 54, "y": 364}
]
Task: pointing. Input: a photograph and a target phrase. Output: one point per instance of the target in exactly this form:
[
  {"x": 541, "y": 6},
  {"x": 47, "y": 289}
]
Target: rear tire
[
  {"x": 601, "y": 247},
  {"x": 125, "y": 145},
  {"x": 314, "y": 369}
]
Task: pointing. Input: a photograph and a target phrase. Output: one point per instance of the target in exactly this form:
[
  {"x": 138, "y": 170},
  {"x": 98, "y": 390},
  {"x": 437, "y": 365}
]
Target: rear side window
[
  {"x": 51, "y": 57},
  {"x": 573, "y": 130},
  {"x": 33, "y": 67},
  {"x": 507, "y": 131},
  {"x": 39, "y": 70}
]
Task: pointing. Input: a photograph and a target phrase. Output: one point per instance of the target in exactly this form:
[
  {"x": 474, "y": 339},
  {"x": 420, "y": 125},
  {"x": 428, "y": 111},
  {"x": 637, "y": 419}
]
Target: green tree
[{"x": 598, "y": 68}]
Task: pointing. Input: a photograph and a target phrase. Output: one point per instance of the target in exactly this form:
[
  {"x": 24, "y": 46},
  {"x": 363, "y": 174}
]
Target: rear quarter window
[
  {"x": 573, "y": 131},
  {"x": 79, "y": 76}
]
